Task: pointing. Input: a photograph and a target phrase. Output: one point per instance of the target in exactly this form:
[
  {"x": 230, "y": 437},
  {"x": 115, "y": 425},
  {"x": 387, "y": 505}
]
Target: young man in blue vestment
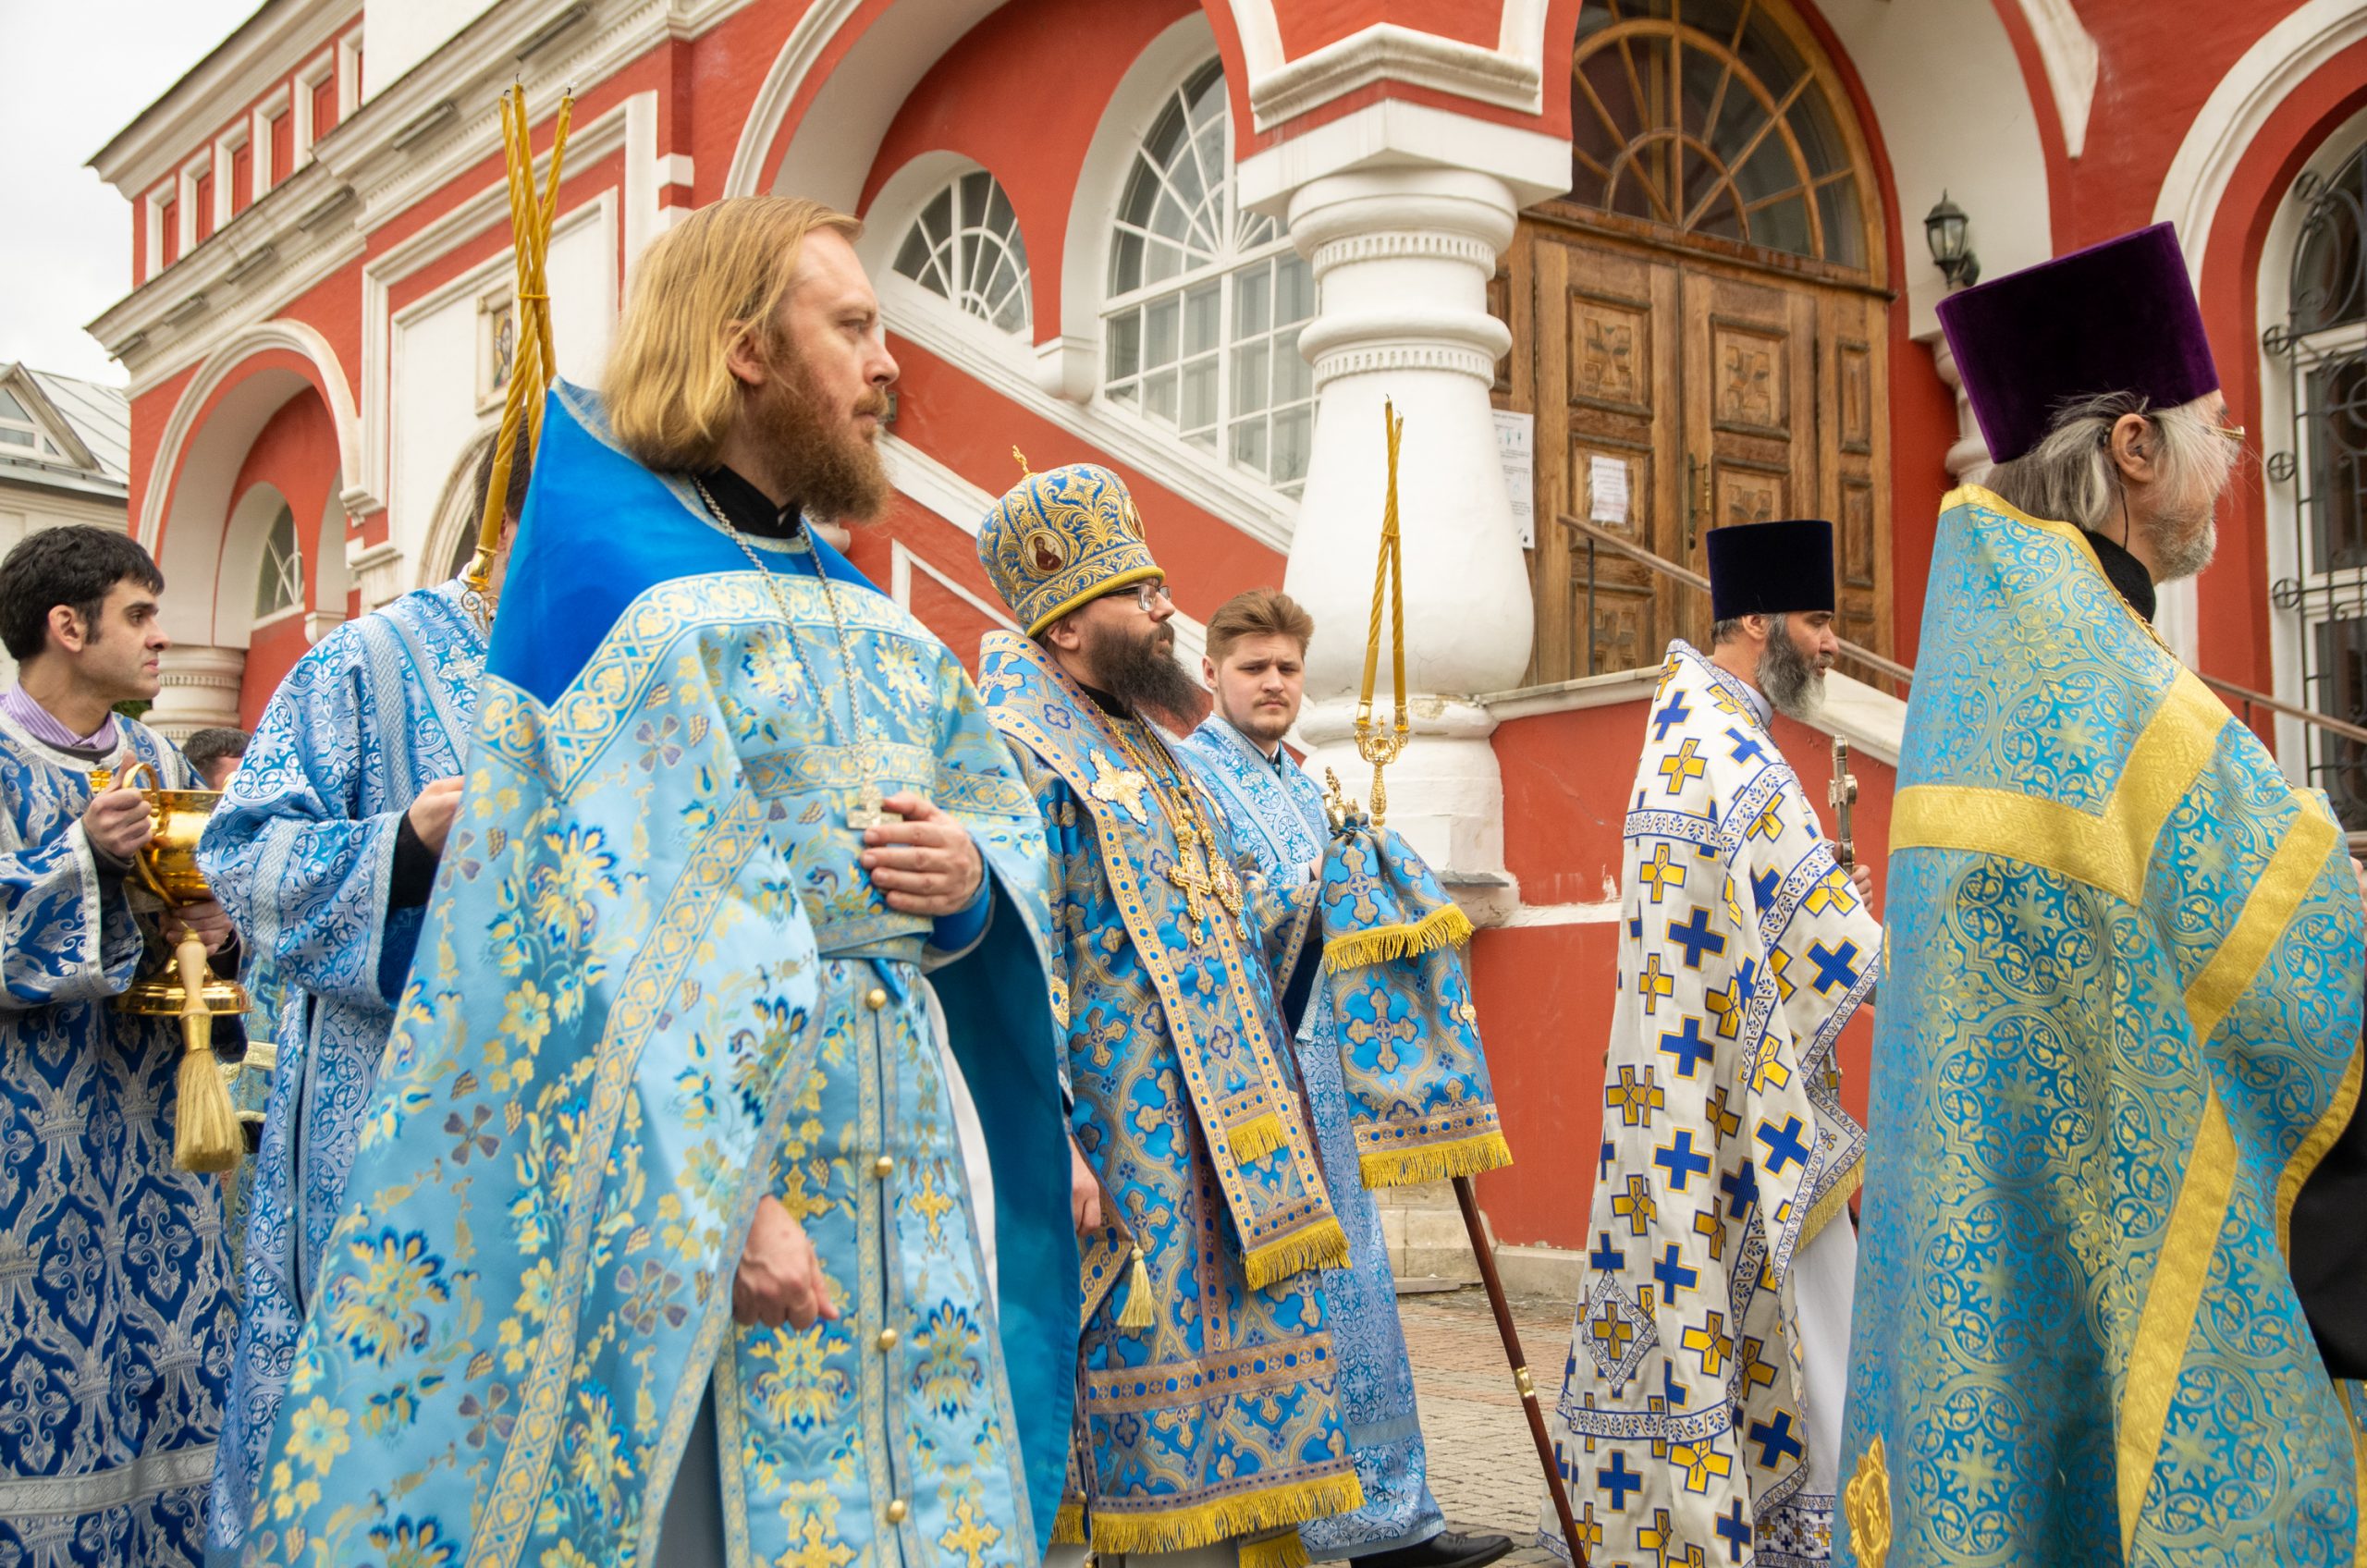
[
  {"x": 674, "y": 1234},
  {"x": 324, "y": 850},
  {"x": 114, "y": 1310},
  {"x": 1256, "y": 663},
  {"x": 1700, "y": 1416}
]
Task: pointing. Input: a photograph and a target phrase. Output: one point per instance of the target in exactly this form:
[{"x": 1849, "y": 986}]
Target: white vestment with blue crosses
[
  {"x": 1275, "y": 812},
  {"x": 1701, "y": 1412}
]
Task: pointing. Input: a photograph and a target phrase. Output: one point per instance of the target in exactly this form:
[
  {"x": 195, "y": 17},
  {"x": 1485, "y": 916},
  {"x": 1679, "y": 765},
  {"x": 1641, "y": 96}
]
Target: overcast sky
[{"x": 73, "y": 73}]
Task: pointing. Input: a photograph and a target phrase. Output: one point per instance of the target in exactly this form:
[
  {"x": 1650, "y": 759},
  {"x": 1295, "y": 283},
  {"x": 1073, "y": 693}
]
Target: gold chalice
[{"x": 187, "y": 988}]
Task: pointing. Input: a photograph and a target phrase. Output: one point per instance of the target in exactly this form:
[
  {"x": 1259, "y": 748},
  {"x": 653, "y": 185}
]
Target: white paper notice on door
[
  {"x": 1516, "y": 450},
  {"x": 1607, "y": 490}
]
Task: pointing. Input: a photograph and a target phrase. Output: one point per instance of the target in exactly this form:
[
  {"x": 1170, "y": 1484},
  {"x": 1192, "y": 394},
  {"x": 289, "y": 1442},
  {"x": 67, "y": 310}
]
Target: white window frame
[
  {"x": 308, "y": 82},
  {"x": 44, "y": 444},
  {"x": 1230, "y": 263},
  {"x": 1017, "y": 239},
  {"x": 259, "y": 134},
  {"x": 264, "y": 563},
  {"x": 2281, "y": 426},
  {"x": 154, "y": 216},
  {"x": 225, "y": 149},
  {"x": 349, "y": 75},
  {"x": 191, "y": 172}
]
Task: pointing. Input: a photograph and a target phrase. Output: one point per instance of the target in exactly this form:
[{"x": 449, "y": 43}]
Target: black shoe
[{"x": 1445, "y": 1549}]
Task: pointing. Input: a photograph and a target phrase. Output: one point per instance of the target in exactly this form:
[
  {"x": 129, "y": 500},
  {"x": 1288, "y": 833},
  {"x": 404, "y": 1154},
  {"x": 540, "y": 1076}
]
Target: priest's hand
[
  {"x": 432, "y": 810},
  {"x": 927, "y": 863},
  {"x": 1084, "y": 1192},
  {"x": 1862, "y": 882},
  {"x": 208, "y": 919},
  {"x": 780, "y": 1276},
  {"x": 118, "y": 824}
]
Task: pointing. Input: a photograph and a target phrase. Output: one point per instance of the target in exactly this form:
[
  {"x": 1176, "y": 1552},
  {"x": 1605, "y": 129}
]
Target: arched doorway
[{"x": 1704, "y": 317}]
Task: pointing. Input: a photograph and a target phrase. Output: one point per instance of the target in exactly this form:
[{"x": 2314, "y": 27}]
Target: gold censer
[{"x": 207, "y": 1137}]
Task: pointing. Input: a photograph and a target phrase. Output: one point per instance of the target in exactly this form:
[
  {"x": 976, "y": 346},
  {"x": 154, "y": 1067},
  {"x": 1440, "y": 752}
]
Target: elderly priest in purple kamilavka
[{"x": 2120, "y": 1023}]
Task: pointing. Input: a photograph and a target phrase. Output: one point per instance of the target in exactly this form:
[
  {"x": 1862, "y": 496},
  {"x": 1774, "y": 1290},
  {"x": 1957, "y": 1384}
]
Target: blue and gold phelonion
[{"x": 1061, "y": 537}]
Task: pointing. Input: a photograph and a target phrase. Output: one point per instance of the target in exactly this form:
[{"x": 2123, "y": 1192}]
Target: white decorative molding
[
  {"x": 1330, "y": 363},
  {"x": 2230, "y": 119},
  {"x": 270, "y": 44},
  {"x": 300, "y": 337},
  {"x": 378, "y": 572},
  {"x": 1217, "y": 489},
  {"x": 1401, "y": 242},
  {"x": 1392, "y": 133},
  {"x": 1391, "y": 52},
  {"x": 919, "y": 477},
  {"x": 2073, "y": 63},
  {"x": 903, "y": 560},
  {"x": 200, "y": 688},
  {"x": 766, "y": 112}
]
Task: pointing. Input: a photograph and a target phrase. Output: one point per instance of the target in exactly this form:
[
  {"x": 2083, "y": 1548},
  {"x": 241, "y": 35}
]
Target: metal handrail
[
  {"x": 1667, "y": 568},
  {"x": 2228, "y": 689}
]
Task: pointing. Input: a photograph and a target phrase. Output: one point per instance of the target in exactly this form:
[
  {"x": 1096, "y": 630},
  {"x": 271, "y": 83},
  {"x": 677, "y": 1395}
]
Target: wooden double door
[{"x": 1728, "y": 393}]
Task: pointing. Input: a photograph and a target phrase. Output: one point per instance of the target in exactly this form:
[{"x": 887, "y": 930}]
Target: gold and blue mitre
[{"x": 1060, "y": 538}]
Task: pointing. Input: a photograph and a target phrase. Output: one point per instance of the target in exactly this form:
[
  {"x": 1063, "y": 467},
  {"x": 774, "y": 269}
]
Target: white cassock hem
[{"x": 1824, "y": 1274}]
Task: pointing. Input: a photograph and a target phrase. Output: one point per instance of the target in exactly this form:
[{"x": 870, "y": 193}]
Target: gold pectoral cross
[{"x": 1198, "y": 876}]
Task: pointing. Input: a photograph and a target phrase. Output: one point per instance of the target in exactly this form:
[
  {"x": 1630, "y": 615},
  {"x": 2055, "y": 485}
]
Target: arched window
[
  {"x": 2317, "y": 466},
  {"x": 965, "y": 247},
  {"x": 1206, "y": 302},
  {"x": 1707, "y": 116},
  {"x": 280, "y": 581}
]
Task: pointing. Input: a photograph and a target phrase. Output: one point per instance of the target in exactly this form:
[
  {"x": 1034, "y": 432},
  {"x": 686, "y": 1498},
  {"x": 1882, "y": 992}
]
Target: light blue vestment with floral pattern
[
  {"x": 655, "y": 986},
  {"x": 114, "y": 1308},
  {"x": 2121, "y": 1024},
  {"x": 1275, "y": 813},
  {"x": 301, "y": 852}
]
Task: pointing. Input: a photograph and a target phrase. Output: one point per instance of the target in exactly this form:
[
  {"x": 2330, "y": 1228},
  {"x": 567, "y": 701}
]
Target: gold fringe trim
[
  {"x": 1255, "y": 1138},
  {"x": 1446, "y": 925},
  {"x": 1434, "y": 1162},
  {"x": 1138, "y": 1312},
  {"x": 1068, "y": 1525},
  {"x": 1320, "y": 1245},
  {"x": 1282, "y": 1549},
  {"x": 1227, "y": 1519}
]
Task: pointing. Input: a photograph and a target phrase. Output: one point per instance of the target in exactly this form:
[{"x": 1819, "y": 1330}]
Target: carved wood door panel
[
  {"x": 1606, "y": 394},
  {"x": 1728, "y": 395}
]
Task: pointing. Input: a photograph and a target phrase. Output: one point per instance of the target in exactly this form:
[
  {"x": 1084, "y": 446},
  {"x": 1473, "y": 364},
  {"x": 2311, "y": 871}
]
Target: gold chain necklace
[
  {"x": 867, "y": 812},
  {"x": 1198, "y": 872}
]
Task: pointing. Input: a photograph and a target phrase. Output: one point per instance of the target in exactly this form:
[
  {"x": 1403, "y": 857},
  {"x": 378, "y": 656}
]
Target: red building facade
[{"x": 1669, "y": 255}]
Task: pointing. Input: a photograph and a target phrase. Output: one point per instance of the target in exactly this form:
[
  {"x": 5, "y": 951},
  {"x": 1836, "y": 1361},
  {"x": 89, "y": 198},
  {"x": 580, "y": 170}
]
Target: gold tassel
[
  {"x": 1433, "y": 1162},
  {"x": 1446, "y": 925},
  {"x": 1320, "y": 1245},
  {"x": 1068, "y": 1525},
  {"x": 1138, "y": 1312},
  {"x": 206, "y": 1136},
  {"x": 1255, "y": 1138},
  {"x": 1227, "y": 1519},
  {"x": 1282, "y": 1549}
]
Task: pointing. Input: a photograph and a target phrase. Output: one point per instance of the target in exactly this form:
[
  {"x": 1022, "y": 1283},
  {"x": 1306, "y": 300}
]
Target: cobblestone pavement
[{"x": 1483, "y": 1462}]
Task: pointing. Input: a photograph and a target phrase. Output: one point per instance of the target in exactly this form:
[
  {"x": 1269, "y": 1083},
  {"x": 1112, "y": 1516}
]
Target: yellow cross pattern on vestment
[
  {"x": 1725, "y": 1004},
  {"x": 1651, "y": 984},
  {"x": 970, "y": 1537},
  {"x": 1636, "y": 1206},
  {"x": 1686, "y": 764},
  {"x": 1728, "y": 1123},
  {"x": 1709, "y": 1339},
  {"x": 1769, "y": 822},
  {"x": 1698, "y": 1463},
  {"x": 1660, "y": 872},
  {"x": 1833, "y": 892},
  {"x": 1707, "y": 1224},
  {"x": 1757, "y": 1370},
  {"x": 1611, "y": 1330},
  {"x": 1634, "y": 1099}
]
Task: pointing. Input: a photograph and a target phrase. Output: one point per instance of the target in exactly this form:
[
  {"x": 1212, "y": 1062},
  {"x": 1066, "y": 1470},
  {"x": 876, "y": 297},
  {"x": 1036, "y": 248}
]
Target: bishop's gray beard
[
  {"x": 1787, "y": 677},
  {"x": 1141, "y": 671}
]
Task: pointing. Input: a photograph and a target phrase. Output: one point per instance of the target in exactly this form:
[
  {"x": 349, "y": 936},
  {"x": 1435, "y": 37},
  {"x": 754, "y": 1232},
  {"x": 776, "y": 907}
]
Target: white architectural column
[
  {"x": 200, "y": 689},
  {"x": 1403, "y": 254}
]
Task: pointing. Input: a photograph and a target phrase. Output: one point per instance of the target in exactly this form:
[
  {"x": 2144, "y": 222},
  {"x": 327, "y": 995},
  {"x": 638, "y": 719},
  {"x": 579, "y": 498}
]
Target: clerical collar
[
  {"x": 2126, "y": 573},
  {"x": 1105, "y": 702},
  {"x": 749, "y": 509}
]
